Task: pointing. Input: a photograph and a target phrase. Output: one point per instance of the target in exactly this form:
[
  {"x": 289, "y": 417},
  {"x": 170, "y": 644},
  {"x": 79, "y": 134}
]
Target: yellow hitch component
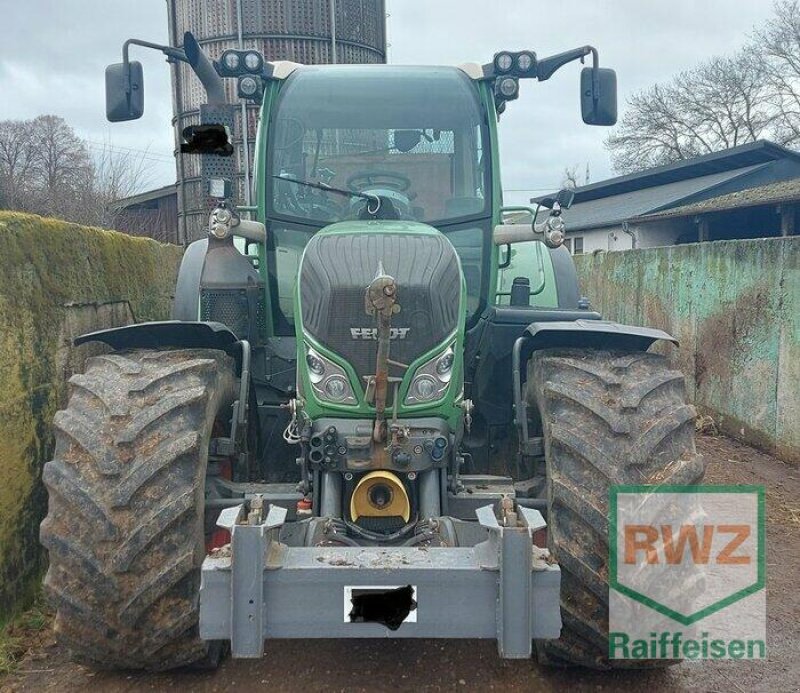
[{"x": 380, "y": 494}]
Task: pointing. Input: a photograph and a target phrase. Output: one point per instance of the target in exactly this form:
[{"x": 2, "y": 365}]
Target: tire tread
[
  {"x": 608, "y": 417},
  {"x": 125, "y": 520}
]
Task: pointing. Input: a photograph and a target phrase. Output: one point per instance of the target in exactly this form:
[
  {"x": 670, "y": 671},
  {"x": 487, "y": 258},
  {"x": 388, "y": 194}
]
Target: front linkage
[{"x": 494, "y": 583}]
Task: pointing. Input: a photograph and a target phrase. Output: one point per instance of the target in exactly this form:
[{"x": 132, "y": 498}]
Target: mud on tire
[
  {"x": 124, "y": 528},
  {"x": 608, "y": 417}
]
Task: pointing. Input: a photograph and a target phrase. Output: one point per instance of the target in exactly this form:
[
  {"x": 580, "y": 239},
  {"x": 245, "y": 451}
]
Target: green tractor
[{"x": 379, "y": 411}]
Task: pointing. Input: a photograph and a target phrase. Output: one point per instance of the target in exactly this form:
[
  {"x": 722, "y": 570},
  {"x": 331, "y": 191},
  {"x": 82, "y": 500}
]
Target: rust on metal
[{"x": 380, "y": 301}]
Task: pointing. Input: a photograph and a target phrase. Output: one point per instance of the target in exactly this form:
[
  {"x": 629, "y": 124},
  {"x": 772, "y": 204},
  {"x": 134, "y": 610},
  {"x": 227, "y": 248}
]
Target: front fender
[
  {"x": 168, "y": 333},
  {"x": 592, "y": 334},
  {"x": 572, "y": 334}
]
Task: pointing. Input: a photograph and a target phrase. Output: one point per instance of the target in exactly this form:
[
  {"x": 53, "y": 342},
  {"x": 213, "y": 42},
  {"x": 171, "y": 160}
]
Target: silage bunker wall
[
  {"x": 735, "y": 308},
  {"x": 57, "y": 280}
]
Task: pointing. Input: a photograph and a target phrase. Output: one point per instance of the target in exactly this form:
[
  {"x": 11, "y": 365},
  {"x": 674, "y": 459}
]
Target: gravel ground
[{"x": 406, "y": 665}]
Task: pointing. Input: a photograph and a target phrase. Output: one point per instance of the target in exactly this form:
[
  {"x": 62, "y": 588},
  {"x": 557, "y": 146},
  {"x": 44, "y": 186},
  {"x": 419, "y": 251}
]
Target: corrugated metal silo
[{"x": 304, "y": 31}]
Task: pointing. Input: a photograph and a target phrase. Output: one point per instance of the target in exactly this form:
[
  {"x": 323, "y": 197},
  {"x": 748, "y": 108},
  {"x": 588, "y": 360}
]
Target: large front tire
[
  {"x": 608, "y": 417},
  {"x": 124, "y": 528}
]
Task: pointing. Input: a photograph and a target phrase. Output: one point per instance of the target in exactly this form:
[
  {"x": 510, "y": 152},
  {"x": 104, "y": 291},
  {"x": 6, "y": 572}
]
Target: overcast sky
[{"x": 53, "y": 54}]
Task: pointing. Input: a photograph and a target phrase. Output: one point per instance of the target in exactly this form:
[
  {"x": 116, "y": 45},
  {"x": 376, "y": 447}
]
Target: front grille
[{"x": 335, "y": 272}]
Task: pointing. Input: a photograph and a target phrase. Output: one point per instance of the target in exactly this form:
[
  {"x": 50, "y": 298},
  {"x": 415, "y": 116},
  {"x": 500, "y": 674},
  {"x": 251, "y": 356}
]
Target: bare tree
[
  {"x": 117, "y": 174},
  {"x": 16, "y": 163},
  {"x": 779, "y": 44},
  {"x": 45, "y": 168},
  {"x": 569, "y": 177},
  {"x": 62, "y": 168},
  {"x": 722, "y": 103}
]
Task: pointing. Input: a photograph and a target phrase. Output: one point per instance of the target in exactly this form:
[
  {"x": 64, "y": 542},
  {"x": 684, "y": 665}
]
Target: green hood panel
[{"x": 338, "y": 264}]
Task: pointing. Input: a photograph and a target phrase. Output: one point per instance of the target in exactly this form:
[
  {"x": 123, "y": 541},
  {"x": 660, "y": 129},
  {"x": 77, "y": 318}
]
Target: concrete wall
[
  {"x": 57, "y": 281},
  {"x": 735, "y": 307}
]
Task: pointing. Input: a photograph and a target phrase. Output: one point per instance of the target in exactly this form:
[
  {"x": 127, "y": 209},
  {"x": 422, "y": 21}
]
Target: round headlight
[
  {"x": 554, "y": 232},
  {"x": 445, "y": 363},
  {"x": 231, "y": 60},
  {"x": 424, "y": 387},
  {"x": 524, "y": 62},
  {"x": 336, "y": 387},
  {"x": 504, "y": 61},
  {"x": 252, "y": 61},
  {"x": 220, "y": 222},
  {"x": 315, "y": 364},
  {"x": 248, "y": 86},
  {"x": 220, "y": 231},
  {"x": 508, "y": 87}
]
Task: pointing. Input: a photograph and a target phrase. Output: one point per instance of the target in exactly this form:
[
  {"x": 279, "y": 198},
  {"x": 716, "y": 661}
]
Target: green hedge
[{"x": 52, "y": 272}]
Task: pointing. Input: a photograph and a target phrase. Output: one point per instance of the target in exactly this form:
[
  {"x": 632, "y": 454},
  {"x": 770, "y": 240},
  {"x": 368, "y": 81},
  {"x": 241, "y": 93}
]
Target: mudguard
[
  {"x": 592, "y": 334},
  {"x": 571, "y": 334},
  {"x": 169, "y": 333}
]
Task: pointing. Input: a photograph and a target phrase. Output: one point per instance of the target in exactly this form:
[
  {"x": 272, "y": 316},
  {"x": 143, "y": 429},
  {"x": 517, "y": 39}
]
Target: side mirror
[
  {"x": 598, "y": 96},
  {"x": 565, "y": 198},
  {"x": 124, "y": 91}
]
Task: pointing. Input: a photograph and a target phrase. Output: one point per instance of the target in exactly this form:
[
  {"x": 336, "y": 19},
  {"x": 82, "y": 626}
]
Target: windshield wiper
[{"x": 317, "y": 185}]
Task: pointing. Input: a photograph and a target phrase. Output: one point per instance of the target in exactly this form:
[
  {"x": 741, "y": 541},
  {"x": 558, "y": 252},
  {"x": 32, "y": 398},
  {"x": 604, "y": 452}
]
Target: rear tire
[
  {"x": 608, "y": 417},
  {"x": 124, "y": 527}
]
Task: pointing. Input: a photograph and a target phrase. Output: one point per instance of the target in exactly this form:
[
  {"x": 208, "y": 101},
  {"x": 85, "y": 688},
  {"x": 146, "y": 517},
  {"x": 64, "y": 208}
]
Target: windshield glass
[{"x": 413, "y": 136}]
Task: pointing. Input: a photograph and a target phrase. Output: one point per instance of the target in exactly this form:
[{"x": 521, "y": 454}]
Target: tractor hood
[{"x": 342, "y": 260}]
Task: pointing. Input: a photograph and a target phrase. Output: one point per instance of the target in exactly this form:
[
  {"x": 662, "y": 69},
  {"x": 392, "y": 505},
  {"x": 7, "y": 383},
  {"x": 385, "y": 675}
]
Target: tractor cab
[{"x": 375, "y": 143}]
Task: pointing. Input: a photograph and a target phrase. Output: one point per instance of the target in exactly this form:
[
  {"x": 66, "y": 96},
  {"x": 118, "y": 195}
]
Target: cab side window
[{"x": 527, "y": 261}]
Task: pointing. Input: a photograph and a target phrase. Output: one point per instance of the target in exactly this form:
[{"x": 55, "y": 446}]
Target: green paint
[
  {"x": 447, "y": 407},
  {"x": 529, "y": 259},
  {"x": 46, "y": 266}
]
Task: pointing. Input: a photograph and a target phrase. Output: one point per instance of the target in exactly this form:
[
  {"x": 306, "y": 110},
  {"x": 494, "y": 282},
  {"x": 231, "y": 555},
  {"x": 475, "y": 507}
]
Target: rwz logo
[
  {"x": 687, "y": 572},
  {"x": 645, "y": 538},
  {"x": 372, "y": 332}
]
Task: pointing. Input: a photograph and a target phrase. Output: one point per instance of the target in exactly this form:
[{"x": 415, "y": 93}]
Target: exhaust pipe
[{"x": 204, "y": 70}]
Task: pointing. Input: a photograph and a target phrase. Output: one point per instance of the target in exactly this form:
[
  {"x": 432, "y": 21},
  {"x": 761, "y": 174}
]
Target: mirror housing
[
  {"x": 599, "y": 96},
  {"x": 124, "y": 91},
  {"x": 565, "y": 198}
]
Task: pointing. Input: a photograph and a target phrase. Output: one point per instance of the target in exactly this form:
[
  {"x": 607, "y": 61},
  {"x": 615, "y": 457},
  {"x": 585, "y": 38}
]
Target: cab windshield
[{"x": 413, "y": 136}]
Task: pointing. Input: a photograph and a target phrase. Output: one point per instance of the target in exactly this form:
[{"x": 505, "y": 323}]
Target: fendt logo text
[
  {"x": 687, "y": 572},
  {"x": 371, "y": 333}
]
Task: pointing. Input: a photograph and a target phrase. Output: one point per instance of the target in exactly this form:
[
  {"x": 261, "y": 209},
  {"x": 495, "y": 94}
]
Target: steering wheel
[{"x": 378, "y": 179}]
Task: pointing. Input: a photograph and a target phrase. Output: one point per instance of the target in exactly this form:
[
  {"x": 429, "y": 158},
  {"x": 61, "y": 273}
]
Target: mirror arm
[
  {"x": 169, "y": 51},
  {"x": 193, "y": 55},
  {"x": 545, "y": 67}
]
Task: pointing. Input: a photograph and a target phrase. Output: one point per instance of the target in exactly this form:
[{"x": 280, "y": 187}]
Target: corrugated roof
[
  {"x": 774, "y": 193},
  {"x": 751, "y": 154},
  {"x": 146, "y": 196},
  {"x": 614, "y": 209}
]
